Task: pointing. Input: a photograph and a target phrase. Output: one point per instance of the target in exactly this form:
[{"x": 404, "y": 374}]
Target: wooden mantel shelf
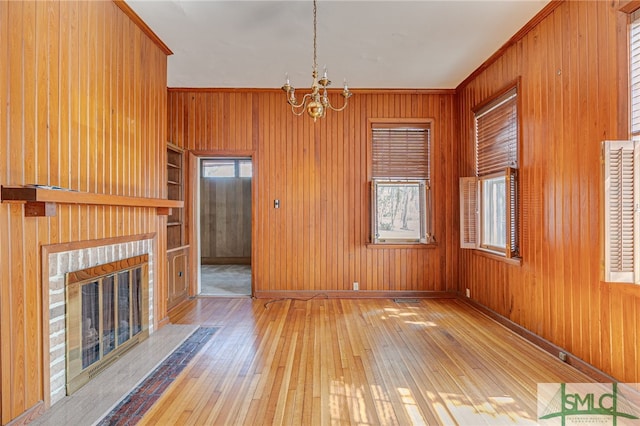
[{"x": 43, "y": 201}]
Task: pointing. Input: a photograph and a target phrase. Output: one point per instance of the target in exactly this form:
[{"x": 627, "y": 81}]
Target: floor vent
[{"x": 406, "y": 300}]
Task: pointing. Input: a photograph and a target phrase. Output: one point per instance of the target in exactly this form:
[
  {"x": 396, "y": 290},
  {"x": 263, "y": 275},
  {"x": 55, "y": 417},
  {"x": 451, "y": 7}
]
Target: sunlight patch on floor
[
  {"x": 497, "y": 410},
  {"x": 411, "y": 407},
  {"x": 354, "y": 396}
]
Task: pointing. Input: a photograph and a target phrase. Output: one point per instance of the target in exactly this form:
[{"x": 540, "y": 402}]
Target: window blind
[
  {"x": 634, "y": 72},
  {"x": 401, "y": 152},
  {"x": 497, "y": 135},
  {"x": 469, "y": 212}
]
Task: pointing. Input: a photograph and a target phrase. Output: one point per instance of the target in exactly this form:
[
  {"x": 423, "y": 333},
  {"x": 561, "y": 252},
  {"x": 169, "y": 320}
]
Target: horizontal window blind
[
  {"x": 497, "y": 135},
  {"x": 401, "y": 152},
  {"x": 634, "y": 63}
]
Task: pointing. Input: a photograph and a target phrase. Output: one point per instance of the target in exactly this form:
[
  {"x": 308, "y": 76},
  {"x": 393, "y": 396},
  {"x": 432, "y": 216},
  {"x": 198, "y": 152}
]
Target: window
[
  {"x": 621, "y": 174},
  {"x": 226, "y": 168},
  {"x": 401, "y": 183},
  {"x": 488, "y": 200}
]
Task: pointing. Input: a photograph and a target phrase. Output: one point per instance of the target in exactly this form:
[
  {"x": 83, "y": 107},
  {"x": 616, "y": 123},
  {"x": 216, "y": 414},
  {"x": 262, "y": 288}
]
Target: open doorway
[{"x": 225, "y": 226}]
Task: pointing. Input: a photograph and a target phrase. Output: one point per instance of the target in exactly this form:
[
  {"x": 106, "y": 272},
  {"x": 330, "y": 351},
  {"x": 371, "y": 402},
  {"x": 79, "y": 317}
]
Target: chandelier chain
[{"x": 315, "y": 53}]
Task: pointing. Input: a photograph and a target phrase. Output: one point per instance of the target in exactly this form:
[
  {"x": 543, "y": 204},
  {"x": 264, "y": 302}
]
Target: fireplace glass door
[{"x": 105, "y": 316}]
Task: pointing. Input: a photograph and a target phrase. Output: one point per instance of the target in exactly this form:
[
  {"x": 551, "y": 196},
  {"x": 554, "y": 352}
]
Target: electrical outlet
[
  {"x": 356, "y": 286},
  {"x": 468, "y": 293},
  {"x": 562, "y": 356}
]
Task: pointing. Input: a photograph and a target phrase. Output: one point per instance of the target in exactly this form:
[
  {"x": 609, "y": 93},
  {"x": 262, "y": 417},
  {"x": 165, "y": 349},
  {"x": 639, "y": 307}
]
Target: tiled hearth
[{"x": 88, "y": 255}]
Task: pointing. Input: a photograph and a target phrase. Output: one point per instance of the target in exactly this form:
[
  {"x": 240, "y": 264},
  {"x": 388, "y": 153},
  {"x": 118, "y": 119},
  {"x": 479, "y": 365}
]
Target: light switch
[{"x": 276, "y": 204}]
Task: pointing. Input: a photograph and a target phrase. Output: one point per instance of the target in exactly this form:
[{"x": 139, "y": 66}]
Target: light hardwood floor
[{"x": 361, "y": 362}]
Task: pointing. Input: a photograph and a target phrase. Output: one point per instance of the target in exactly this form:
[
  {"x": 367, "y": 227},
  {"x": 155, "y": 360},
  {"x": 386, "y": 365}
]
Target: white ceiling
[{"x": 374, "y": 44}]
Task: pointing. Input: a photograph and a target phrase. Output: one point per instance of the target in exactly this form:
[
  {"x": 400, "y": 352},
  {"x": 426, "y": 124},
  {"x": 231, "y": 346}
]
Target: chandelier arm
[
  {"x": 298, "y": 113},
  {"x": 302, "y": 103},
  {"x": 342, "y": 108}
]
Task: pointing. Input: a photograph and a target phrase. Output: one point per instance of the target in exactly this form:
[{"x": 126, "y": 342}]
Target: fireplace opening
[{"x": 107, "y": 314}]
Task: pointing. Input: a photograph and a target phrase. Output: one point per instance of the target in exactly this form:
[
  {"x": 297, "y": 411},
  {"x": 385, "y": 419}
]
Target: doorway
[{"x": 225, "y": 226}]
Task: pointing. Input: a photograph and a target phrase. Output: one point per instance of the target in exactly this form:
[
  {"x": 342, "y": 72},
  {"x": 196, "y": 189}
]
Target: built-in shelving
[
  {"x": 175, "y": 191},
  {"x": 177, "y": 247},
  {"x": 43, "y": 201}
]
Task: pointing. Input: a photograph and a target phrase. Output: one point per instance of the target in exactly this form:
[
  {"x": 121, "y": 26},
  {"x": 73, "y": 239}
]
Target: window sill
[
  {"x": 517, "y": 261},
  {"x": 401, "y": 246}
]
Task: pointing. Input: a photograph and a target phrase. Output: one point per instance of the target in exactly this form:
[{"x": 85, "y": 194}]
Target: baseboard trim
[
  {"x": 164, "y": 321},
  {"x": 348, "y": 294},
  {"x": 28, "y": 416},
  {"x": 542, "y": 343}
]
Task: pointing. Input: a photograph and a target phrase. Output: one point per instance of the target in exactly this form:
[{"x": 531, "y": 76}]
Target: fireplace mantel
[{"x": 43, "y": 201}]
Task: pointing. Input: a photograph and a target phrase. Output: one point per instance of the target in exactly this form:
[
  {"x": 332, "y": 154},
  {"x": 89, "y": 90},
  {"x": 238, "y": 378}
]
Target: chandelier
[{"x": 317, "y": 102}]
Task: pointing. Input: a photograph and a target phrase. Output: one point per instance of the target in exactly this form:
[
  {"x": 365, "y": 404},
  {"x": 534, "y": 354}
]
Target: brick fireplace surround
[{"x": 59, "y": 259}]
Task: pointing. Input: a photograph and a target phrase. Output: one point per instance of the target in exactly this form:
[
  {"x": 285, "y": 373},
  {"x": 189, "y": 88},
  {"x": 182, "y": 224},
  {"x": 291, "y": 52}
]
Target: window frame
[
  {"x": 510, "y": 250},
  {"x": 483, "y": 213},
  {"x": 422, "y": 185},
  {"x": 472, "y": 209},
  {"x": 427, "y": 222},
  {"x": 236, "y": 167}
]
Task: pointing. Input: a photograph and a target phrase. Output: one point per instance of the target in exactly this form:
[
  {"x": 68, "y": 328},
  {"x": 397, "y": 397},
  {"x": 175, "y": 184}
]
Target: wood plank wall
[
  {"x": 225, "y": 220},
  {"x": 83, "y": 107},
  {"x": 570, "y": 102},
  {"x": 316, "y": 240}
]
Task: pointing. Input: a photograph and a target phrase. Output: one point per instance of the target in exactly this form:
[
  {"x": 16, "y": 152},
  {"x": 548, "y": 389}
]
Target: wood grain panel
[
  {"x": 225, "y": 219},
  {"x": 317, "y": 239},
  {"x": 85, "y": 109},
  {"x": 569, "y": 97}
]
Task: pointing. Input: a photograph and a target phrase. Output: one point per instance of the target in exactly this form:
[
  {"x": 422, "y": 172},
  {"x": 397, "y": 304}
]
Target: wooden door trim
[{"x": 193, "y": 195}]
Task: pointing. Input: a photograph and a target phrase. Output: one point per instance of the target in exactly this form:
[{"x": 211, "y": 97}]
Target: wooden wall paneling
[
  {"x": 13, "y": 304},
  {"x": 581, "y": 319},
  {"x": 554, "y": 258},
  {"x": 592, "y": 178},
  {"x": 5, "y": 286},
  {"x": 630, "y": 328},
  {"x": 17, "y": 313},
  {"x": 570, "y": 104},
  {"x": 66, "y": 104},
  {"x": 57, "y": 172},
  {"x": 4, "y": 215},
  {"x": 316, "y": 240},
  {"x": 608, "y": 71},
  {"x": 100, "y": 106},
  {"x": 31, "y": 262},
  {"x": 570, "y": 172}
]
